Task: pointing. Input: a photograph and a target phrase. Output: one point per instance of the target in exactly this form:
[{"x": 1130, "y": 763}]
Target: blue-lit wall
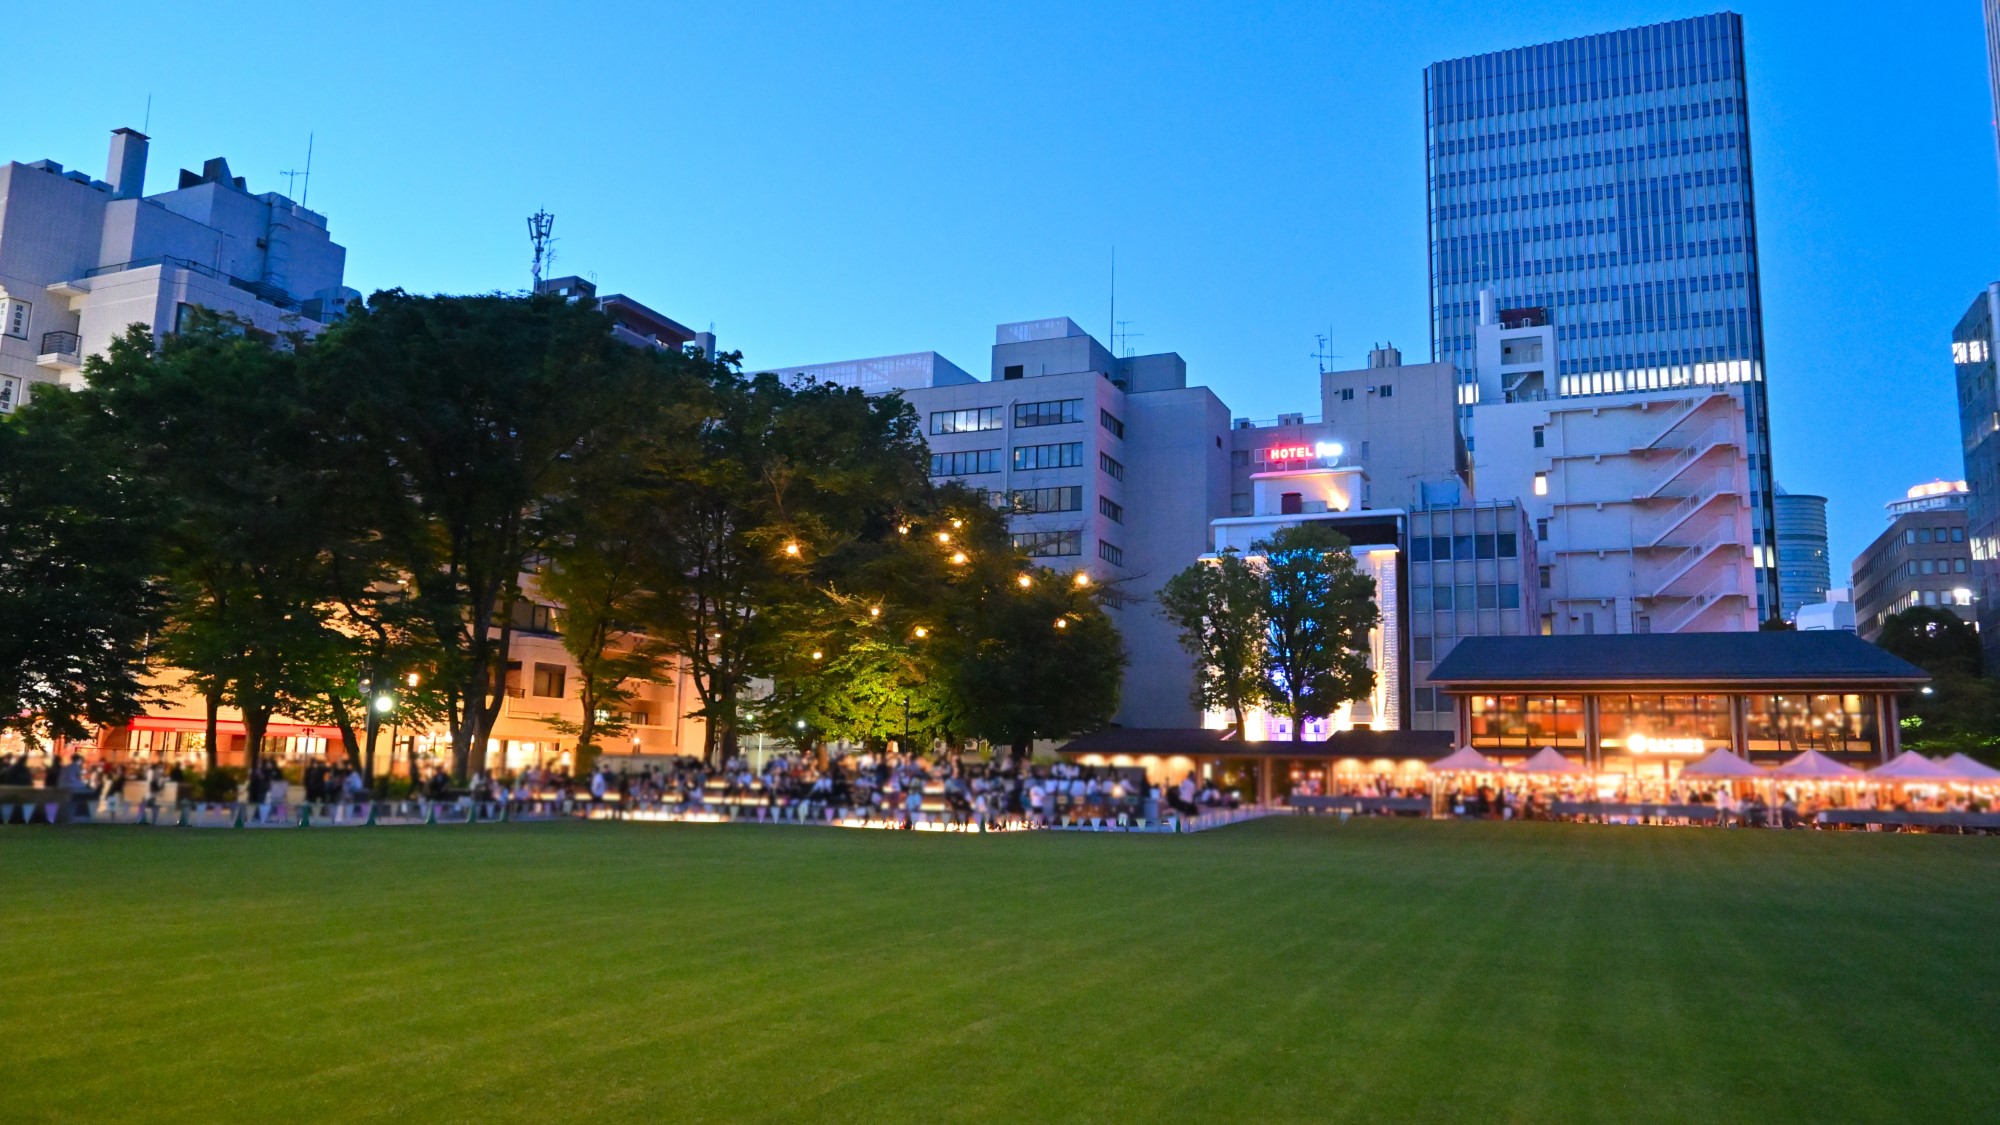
[{"x": 1607, "y": 179}]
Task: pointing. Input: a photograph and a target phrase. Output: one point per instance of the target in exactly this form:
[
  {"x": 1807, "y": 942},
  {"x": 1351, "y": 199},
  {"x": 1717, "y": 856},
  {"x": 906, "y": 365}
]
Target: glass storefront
[
  {"x": 1650, "y": 724},
  {"x": 1526, "y": 722},
  {"x": 1787, "y": 724}
]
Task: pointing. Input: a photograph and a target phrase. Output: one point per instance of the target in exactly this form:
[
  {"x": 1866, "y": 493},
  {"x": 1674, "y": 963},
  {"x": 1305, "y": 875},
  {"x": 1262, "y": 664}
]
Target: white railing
[
  {"x": 1702, "y": 494},
  {"x": 1687, "y": 558},
  {"x": 1693, "y": 403},
  {"x": 1684, "y": 615},
  {"x": 1712, "y": 438}
]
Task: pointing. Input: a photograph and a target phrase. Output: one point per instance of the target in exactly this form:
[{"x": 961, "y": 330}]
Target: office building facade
[
  {"x": 1972, "y": 348},
  {"x": 83, "y": 259},
  {"x": 1111, "y": 465},
  {"x": 1924, "y": 557},
  {"x": 1591, "y": 204},
  {"x": 1804, "y": 575}
]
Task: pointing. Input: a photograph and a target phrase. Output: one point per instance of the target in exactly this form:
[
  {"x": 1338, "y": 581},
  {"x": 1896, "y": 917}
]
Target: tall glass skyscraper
[{"x": 1607, "y": 181}]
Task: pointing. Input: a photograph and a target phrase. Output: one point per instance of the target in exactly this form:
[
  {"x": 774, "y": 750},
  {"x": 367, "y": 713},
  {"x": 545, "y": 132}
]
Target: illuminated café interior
[{"x": 1648, "y": 703}]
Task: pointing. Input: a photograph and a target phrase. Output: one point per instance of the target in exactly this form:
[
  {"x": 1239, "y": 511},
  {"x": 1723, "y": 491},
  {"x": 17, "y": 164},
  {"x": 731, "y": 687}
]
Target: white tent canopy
[
  {"x": 1465, "y": 760},
  {"x": 1550, "y": 760},
  {"x": 1811, "y": 765},
  {"x": 1722, "y": 765},
  {"x": 1971, "y": 769},
  {"x": 1913, "y": 767}
]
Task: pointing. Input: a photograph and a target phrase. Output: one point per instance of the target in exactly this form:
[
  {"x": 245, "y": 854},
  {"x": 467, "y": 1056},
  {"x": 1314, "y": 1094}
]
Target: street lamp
[
  {"x": 1024, "y": 582},
  {"x": 958, "y": 558},
  {"x": 1082, "y": 578}
]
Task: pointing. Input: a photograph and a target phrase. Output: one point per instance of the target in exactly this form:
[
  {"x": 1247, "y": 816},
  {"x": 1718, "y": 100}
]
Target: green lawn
[{"x": 1276, "y": 971}]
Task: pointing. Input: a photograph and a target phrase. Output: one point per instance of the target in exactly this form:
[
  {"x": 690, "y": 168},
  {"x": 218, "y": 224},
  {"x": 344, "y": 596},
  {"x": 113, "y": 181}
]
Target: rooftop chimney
[{"x": 126, "y": 170}]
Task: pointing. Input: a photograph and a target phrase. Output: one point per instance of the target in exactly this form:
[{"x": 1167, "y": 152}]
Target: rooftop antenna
[
  {"x": 540, "y": 224},
  {"x": 1124, "y": 336},
  {"x": 1114, "y": 303},
  {"x": 1320, "y": 355},
  {"x": 148, "y": 126},
  {"x": 301, "y": 180}
]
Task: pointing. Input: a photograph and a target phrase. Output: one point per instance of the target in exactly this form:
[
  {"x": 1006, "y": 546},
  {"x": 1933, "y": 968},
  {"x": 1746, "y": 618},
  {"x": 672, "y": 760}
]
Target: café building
[{"x": 1646, "y": 703}]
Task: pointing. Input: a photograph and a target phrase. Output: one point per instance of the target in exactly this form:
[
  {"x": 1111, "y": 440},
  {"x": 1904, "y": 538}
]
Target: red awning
[{"x": 232, "y": 726}]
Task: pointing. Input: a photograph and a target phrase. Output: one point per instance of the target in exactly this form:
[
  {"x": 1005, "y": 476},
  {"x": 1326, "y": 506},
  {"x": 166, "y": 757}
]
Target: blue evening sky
[{"x": 828, "y": 182}]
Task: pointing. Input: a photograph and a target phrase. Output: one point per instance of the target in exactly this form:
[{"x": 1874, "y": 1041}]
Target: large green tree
[
  {"x": 77, "y": 602},
  {"x": 1319, "y": 609},
  {"x": 1219, "y": 605},
  {"x": 470, "y": 413},
  {"x": 783, "y": 493},
  {"x": 248, "y": 511},
  {"x": 1960, "y": 711},
  {"x": 1040, "y": 660}
]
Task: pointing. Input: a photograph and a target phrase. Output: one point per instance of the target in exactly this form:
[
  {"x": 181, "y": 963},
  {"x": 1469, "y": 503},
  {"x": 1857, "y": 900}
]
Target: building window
[
  {"x": 1386, "y": 390},
  {"x": 549, "y": 680},
  {"x": 1958, "y": 566},
  {"x": 1420, "y": 649},
  {"x": 965, "y": 462},
  {"x": 1927, "y": 567},
  {"x": 1347, "y": 394},
  {"x": 1923, "y": 535},
  {"x": 1067, "y": 455},
  {"x": 1055, "y": 412},
  {"x": 1958, "y": 535},
  {"x": 1420, "y": 699},
  {"x": 1111, "y": 553},
  {"x": 1543, "y": 574},
  {"x": 1526, "y": 720},
  {"x": 1239, "y": 503},
  {"x": 1110, "y": 509},
  {"x": 1112, "y": 422},
  {"x": 1542, "y": 530},
  {"x": 1049, "y": 544},
  {"x": 1538, "y": 437},
  {"x": 532, "y": 618},
  {"x": 1541, "y": 484},
  {"x": 965, "y": 421},
  {"x": 14, "y": 317},
  {"x": 1510, "y": 546},
  {"x": 1110, "y": 466},
  {"x": 1068, "y": 498},
  {"x": 1011, "y": 371},
  {"x": 1239, "y": 458}
]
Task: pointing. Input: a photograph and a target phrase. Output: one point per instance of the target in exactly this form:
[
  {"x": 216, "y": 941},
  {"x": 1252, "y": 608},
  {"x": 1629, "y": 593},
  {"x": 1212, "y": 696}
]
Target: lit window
[{"x": 1541, "y": 484}]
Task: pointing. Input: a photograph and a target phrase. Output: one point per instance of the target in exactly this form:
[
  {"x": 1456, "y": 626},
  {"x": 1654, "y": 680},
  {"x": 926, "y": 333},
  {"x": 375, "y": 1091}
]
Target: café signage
[{"x": 1678, "y": 747}]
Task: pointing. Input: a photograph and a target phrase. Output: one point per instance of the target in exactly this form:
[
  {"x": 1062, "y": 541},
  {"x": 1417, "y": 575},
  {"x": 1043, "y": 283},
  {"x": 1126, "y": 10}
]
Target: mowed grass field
[{"x": 1277, "y": 971}]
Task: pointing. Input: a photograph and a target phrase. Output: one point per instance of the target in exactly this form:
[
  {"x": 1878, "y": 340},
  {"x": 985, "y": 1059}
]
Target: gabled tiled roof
[{"x": 1830, "y": 656}]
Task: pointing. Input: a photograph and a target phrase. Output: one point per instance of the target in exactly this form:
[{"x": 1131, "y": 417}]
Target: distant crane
[{"x": 541, "y": 226}]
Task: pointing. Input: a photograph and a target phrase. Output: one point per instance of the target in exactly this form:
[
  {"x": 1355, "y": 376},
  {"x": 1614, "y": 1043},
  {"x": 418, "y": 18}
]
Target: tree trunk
[
  {"x": 254, "y": 723},
  {"x": 348, "y": 743},
  {"x": 212, "y": 699}
]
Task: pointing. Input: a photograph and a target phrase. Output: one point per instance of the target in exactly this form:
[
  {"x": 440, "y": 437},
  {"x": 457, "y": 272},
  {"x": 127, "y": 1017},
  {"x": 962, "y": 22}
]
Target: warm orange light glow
[
  {"x": 958, "y": 523},
  {"x": 1062, "y": 622},
  {"x": 817, "y": 654},
  {"x": 874, "y": 611},
  {"x": 792, "y": 549},
  {"x": 1024, "y": 581},
  {"x": 922, "y": 632},
  {"x": 1083, "y": 578},
  {"x": 958, "y": 557},
  {"x": 903, "y": 530},
  {"x": 944, "y": 536}
]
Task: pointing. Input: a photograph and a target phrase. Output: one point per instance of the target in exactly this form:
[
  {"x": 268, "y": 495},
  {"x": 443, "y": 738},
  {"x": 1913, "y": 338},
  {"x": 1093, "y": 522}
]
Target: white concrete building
[
  {"x": 1642, "y": 501},
  {"x": 1111, "y": 465},
  {"x": 83, "y": 259}
]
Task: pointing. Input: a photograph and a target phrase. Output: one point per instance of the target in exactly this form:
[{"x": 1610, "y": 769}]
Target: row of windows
[
  {"x": 1055, "y": 412},
  {"x": 1926, "y": 535},
  {"x": 1586, "y": 126},
  {"x": 964, "y": 463},
  {"x": 1669, "y": 290},
  {"x": 1111, "y": 422},
  {"x": 1067, "y": 498},
  {"x": 1110, "y": 509},
  {"x": 1536, "y": 267},
  {"x": 1506, "y": 595},
  {"x": 1590, "y": 158},
  {"x": 1485, "y": 545},
  {"x": 1049, "y": 544},
  {"x": 1065, "y": 455},
  {"x": 1110, "y": 553},
  {"x": 1111, "y": 466},
  {"x": 1935, "y": 566},
  {"x": 965, "y": 421}
]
